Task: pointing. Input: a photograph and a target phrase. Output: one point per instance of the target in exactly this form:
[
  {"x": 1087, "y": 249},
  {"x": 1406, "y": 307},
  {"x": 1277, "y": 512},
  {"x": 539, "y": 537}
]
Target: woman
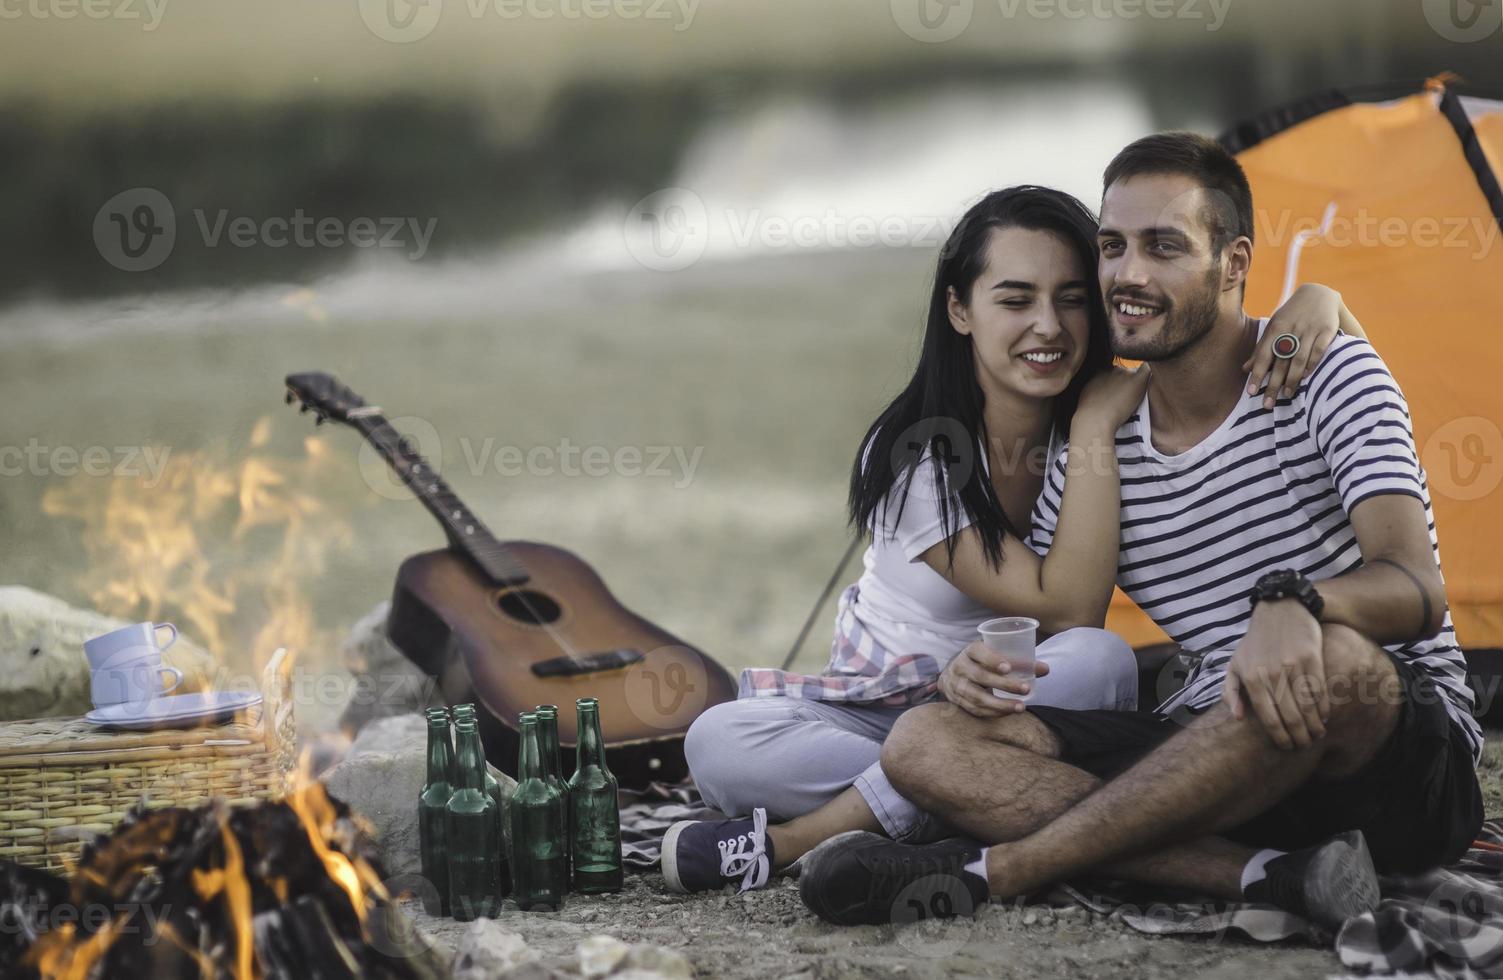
[{"x": 1016, "y": 353}]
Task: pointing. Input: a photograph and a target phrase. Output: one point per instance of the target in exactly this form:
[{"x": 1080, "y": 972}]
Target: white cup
[
  {"x": 102, "y": 648},
  {"x": 132, "y": 676},
  {"x": 1014, "y": 637}
]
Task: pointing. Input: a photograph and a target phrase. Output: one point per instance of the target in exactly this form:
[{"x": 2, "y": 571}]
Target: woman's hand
[
  {"x": 1111, "y": 397},
  {"x": 968, "y": 681},
  {"x": 1315, "y": 314}
]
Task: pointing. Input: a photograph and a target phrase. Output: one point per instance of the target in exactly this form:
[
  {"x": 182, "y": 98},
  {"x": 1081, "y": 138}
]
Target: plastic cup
[{"x": 1014, "y": 637}]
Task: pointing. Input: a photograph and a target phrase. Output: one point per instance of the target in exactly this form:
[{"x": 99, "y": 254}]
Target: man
[{"x": 1327, "y": 728}]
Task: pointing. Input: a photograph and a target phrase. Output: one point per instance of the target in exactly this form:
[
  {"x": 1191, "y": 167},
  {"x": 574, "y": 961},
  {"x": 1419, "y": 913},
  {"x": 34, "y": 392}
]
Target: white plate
[{"x": 175, "y": 710}]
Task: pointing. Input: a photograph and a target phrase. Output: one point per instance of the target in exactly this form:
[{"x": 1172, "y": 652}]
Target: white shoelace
[{"x": 746, "y": 854}]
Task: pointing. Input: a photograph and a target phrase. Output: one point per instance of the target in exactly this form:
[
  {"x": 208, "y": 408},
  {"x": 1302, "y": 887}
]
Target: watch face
[{"x": 1281, "y": 580}]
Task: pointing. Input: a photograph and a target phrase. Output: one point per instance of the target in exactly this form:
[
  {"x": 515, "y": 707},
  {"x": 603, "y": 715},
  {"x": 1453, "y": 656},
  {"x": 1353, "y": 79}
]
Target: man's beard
[{"x": 1184, "y": 326}]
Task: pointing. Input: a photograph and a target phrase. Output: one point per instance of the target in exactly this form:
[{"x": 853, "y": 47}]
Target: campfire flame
[
  {"x": 231, "y": 881},
  {"x": 155, "y": 544},
  {"x": 265, "y": 889}
]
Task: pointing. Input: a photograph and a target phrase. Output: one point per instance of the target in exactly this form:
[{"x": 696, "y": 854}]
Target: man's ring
[{"x": 1285, "y": 346}]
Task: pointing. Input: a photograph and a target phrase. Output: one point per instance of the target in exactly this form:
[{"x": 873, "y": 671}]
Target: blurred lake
[{"x": 713, "y": 240}]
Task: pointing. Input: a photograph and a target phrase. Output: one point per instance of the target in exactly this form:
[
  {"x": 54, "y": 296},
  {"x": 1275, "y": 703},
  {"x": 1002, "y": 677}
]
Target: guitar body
[
  {"x": 512, "y": 625},
  {"x": 558, "y": 636}
]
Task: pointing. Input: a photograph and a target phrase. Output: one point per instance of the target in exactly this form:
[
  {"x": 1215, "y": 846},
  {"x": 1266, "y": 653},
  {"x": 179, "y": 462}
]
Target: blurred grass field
[{"x": 773, "y": 367}]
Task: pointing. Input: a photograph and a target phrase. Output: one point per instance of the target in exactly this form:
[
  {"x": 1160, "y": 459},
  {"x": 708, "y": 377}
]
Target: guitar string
[{"x": 410, "y": 476}]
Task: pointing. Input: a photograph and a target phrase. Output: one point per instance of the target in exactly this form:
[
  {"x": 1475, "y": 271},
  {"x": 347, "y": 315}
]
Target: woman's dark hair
[{"x": 942, "y": 404}]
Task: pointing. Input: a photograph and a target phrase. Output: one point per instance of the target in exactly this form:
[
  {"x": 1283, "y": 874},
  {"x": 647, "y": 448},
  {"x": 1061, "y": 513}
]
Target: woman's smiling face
[{"x": 1026, "y": 314}]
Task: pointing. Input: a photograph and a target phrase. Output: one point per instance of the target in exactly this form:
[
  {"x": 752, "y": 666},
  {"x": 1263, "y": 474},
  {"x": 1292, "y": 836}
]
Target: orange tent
[{"x": 1394, "y": 199}]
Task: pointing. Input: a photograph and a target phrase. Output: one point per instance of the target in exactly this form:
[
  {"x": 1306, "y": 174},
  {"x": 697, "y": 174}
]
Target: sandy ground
[{"x": 769, "y": 933}]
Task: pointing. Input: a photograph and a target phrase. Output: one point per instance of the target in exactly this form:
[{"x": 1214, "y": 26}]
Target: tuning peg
[
  {"x": 288, "y": 397},
  {"x": 303, "y": 408},
  {"x": 321, "y": 419}
]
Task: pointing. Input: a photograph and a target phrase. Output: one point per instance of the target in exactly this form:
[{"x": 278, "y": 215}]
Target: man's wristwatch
[{"x": 1288, "y": 584}]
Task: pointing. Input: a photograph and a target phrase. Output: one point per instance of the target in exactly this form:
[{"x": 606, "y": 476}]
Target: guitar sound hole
[{"x": 527, "y": 606}]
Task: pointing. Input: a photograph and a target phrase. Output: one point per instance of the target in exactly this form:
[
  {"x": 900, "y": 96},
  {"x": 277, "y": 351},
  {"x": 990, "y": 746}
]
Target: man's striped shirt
[{"x": 1269, "y": 489}]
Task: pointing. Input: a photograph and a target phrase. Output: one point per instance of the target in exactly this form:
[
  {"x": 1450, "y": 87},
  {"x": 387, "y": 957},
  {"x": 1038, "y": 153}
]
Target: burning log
[{"x": 278, "y": 889}]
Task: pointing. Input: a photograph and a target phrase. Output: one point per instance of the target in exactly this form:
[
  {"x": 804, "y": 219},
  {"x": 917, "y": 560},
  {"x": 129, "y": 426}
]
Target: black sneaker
[
  {"x": 866, "y": 879},
  {"x": 703, "y": 855},
  {"x": 1327, "y": 884}
]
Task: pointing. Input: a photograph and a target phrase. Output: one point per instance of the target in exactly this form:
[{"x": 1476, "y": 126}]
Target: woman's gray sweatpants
[{"x": 791, "y": 755}]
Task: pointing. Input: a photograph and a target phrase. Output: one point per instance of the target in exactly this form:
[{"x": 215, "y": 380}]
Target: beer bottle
[
  {"x": 539, "y": 869},
  {"x": 433, "y": 803},
  {"x": 594, "y": 814},
  {"x": 471, "y": 829},
  {"x": 493, "y": 790},
  {"x": 547, "y": 715}
]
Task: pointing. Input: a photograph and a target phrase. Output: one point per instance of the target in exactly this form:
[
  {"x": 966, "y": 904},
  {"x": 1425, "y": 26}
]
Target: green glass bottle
[
  {"x": 594, "y": 811},
  {"x": 471, "y": 831},
  {"x": 547, "y": 715},
  {"x": 539, "y": 869},
  {"x": 433, "y": 804},
  {"x": 493, "y": 790}
]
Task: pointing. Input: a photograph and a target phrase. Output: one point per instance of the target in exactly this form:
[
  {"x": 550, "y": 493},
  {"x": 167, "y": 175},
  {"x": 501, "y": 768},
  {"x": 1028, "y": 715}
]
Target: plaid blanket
[
  {"x": 860, "y": 669},
  {"x": 1447, "y": 922}
]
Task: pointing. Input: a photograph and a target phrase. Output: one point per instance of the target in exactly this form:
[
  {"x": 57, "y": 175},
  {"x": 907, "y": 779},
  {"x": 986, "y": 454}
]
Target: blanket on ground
[{"x": 1447, "y": 922}]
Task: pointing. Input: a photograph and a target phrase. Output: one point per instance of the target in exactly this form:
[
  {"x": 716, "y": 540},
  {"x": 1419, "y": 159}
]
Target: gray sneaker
[{"x": 1327, "y": 884}]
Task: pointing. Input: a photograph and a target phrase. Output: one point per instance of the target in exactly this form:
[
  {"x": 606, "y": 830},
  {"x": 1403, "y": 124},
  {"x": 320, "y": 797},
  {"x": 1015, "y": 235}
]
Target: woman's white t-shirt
[{"x": 907, "y": 606}]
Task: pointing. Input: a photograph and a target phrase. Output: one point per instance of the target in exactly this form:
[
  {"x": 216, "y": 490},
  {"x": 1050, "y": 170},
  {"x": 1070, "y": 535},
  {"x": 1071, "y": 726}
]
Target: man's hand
[
  {"x": 1279, "y": 669},
  {"x": 968, "y": 681}
]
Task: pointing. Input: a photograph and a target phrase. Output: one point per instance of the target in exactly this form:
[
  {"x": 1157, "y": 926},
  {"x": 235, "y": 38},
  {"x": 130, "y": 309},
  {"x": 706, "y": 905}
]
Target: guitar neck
[{"x": 465, "y": 531}]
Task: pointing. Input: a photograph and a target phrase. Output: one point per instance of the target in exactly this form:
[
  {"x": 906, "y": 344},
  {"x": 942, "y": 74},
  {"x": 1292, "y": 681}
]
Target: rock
[
  {"x": 533, "y": 971},
  {"x": 380, "y": 778},
  {"x": 46, "y": 672},
  {"x": 383, "y": 788},
  {"x": 599, "y": 955},
  {"x": 656, "y": 961},
  {"x": 395, "y": 735},
  {"x": 386, "y": 682},
  {"x": 487, "y": 950}
]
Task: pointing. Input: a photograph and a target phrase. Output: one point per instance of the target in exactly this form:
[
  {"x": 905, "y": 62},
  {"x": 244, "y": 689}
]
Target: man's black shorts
[{"x": 1417, "y": 802}]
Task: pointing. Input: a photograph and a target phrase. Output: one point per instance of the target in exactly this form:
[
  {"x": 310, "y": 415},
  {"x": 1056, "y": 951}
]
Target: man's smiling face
[{"x": 1161, "y": 276}]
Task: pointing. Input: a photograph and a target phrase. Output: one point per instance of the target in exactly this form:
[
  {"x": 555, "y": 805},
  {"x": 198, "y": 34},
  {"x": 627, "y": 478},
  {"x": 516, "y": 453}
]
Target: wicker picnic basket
[{"x": 62, "y": 780}]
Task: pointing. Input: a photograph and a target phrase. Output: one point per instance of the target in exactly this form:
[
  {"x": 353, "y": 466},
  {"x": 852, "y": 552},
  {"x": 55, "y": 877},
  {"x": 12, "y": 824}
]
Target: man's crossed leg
[{"x": 1010, "y": 783}]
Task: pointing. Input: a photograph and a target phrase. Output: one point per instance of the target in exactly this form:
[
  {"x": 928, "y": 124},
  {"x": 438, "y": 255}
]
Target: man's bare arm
[{"x": 1397, "y": 595}]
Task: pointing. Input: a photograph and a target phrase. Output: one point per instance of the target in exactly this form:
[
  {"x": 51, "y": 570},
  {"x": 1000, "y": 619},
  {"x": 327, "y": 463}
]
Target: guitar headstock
[{"x": 324, "y": 395}]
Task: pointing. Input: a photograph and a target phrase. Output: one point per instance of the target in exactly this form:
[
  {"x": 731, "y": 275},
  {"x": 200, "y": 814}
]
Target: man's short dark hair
[{"x": 1205, "y": 161}]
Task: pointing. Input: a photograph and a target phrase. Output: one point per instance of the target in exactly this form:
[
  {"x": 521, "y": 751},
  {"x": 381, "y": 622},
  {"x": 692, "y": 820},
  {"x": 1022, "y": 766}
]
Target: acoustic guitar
[{"x": 514, "y": 624}]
